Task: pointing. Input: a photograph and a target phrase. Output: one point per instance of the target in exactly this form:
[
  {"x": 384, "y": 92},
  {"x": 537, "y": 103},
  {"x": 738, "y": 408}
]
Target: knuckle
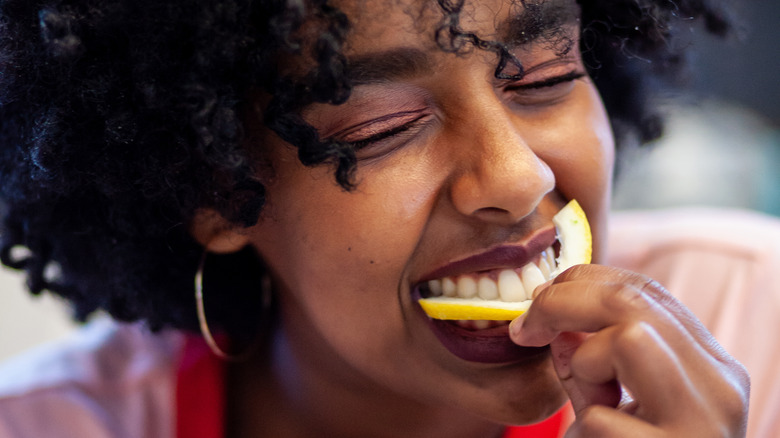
[
  {"x": 578, "y": 272},
  {"x": 736, "y": 399},
  {"x": 635, "y": 333},
  {"x": 742, "y": 379},
  {"x": 733, "y": 395},
  {"x": 570, "y": 274},
  {"x": 657, "y": 292},
  {"x": 627, "y": 298}
]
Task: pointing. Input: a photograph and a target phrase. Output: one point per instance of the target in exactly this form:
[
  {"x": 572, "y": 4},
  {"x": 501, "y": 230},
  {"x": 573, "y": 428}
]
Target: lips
[
  {"x": 492, "y": 344},
  {"x": 506, "y": 256}
]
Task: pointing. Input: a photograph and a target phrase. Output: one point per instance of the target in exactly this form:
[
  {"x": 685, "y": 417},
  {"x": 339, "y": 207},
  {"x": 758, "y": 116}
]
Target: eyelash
[
  {"x": 545, "y": 83},
  {"x": 360, "y": 144},
  {"x": 549, "y": 82}
]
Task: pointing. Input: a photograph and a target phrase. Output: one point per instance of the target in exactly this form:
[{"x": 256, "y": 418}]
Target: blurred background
[
  {"x": 722, "y": 142},
  {"x": 721, "y": 148}
]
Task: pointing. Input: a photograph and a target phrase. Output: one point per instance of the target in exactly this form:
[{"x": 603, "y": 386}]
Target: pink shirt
[
  {"x": 120, "y": 381},
  {"x": 725, "y": 266}
]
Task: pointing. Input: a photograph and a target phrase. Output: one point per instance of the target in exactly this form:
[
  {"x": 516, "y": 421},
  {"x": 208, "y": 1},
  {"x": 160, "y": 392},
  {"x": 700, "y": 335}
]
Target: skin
[{"x": 483, "y": 163}]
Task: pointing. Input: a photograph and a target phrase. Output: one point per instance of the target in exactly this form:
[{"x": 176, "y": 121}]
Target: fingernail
[{"x": 516, "y": 326}]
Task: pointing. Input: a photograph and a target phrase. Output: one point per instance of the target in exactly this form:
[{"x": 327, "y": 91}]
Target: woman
[{"x": 318, "y": 164}]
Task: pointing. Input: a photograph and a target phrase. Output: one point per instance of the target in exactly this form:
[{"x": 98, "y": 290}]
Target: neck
[{"x": 289, "y": 393}]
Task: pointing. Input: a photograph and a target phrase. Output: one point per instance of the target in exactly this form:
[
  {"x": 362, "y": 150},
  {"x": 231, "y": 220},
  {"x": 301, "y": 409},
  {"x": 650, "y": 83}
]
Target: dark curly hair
[{"x": 120, "y": 118}]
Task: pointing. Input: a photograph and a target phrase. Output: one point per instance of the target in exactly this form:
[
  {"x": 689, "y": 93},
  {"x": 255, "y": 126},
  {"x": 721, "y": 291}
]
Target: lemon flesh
[
  {"x": 576, "y": 243},
  {"x": 573, "y": 231}
]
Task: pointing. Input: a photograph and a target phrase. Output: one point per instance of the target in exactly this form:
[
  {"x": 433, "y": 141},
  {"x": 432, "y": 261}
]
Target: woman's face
[{"x": 459, "y": 174}]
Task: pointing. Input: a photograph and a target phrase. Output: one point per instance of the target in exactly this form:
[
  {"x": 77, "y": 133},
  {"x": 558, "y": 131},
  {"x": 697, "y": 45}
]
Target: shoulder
[
  {"x": 108, "y": 379},
  {"x": 725, "y": 266}
]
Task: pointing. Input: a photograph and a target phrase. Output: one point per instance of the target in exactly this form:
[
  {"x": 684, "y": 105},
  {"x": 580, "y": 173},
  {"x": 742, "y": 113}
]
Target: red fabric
[
  {"x": 549, "y": 428},
  {"x": 200, "y": 392},
  {"x": 200, "y": 399}
]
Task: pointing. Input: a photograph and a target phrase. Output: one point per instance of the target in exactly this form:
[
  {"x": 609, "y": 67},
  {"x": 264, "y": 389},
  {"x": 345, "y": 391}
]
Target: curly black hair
[{"x": 119, "y": 119}]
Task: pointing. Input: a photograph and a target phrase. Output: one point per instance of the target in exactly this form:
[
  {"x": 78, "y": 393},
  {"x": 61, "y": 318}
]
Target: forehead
[{"x": 428, "y": 23}]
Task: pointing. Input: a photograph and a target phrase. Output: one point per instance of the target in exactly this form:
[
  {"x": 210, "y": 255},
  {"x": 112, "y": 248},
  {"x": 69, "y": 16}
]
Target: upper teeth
[{"x": 507, "y": 285}]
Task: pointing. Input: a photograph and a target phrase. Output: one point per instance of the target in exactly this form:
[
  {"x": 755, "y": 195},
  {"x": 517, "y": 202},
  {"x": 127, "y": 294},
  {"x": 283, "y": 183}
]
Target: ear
[{"x": 216, "y": 234}]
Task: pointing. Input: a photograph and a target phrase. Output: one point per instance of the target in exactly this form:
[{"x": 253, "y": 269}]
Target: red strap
[
  {"x": 200, "y": 399},
  {"x": 549, "y": 428},
  {"x": 200, "y": 392}
]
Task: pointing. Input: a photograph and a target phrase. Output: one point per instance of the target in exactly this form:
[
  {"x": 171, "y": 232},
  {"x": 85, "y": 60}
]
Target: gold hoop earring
[{"x": 266, "y": 300}]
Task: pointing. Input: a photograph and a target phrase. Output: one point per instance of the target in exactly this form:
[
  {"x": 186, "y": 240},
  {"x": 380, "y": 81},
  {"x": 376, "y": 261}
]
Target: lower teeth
[{"x": 479, "y": 324}]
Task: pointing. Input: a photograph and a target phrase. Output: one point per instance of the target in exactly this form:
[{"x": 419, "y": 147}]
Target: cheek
[
  {"x": 335, "y": 252},
  {"x": 581, "y": 153}
]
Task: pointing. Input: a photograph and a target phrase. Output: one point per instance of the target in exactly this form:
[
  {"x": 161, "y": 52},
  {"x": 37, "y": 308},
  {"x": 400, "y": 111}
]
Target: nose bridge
[{"x": 500, "y": 177}]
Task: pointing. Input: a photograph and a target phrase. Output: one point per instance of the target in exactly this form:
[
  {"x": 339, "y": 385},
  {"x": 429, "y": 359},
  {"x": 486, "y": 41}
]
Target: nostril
[
  {"x": 492, "y": 211},
  {"x": 499, "y": 216}
]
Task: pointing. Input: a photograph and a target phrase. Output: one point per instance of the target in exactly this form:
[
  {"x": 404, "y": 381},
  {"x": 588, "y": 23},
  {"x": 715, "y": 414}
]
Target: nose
[{"x": 499, "y": 177}]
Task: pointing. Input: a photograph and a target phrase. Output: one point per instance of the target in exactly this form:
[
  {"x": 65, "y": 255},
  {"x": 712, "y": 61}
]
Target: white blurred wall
[
  {"x": 25, "y": 320},
  {"x": 713, "y": 153}
]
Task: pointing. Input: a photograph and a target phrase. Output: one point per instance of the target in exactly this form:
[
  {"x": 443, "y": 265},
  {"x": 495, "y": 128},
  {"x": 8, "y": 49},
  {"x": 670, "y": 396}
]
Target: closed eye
[
  {"x": 545, "y": 91},
  {"x": 549, "y": 82},
  {"x": 365, "y": 142}
]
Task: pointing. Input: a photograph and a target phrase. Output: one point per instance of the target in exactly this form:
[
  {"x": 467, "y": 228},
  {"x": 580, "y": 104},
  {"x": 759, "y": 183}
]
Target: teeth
[
  {"x": 467, "y": 287},
  {"x": 487, "y": 289},
  {"x": 544, "y": 266},
  {"x": 551, "y": 259},
  {"x": 532, "y": 277},
  {"x": 481, "y": 324},
  {"x": 510, "y": 287},
  {"x": 435, "y": 287},
  {"x": 448, "y": 287}
]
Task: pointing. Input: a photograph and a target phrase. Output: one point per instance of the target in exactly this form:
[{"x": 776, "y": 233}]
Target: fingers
[
  {"x": 582, "y": 392},
  {"x": 591, "y": 367},
  {"x": 649, "y": 290},
  {"x": 609, "y": 328},
  {"x": 590, "y": 298},
  {"x": 585, "y": 305},
  {"x": 640, "y": 359}
]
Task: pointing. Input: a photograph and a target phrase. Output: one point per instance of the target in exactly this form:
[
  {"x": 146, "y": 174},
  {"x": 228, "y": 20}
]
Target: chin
[
  {"x": 520, "y": 401},
  {"x": 520, "y": 413}
]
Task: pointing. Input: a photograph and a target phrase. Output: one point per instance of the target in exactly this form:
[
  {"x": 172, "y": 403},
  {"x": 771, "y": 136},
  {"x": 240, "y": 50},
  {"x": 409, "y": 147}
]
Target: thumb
[{"x": 581, "y": 393}]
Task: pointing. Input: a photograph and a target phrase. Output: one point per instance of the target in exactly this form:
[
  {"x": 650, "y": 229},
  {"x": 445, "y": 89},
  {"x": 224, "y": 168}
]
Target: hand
[{"x": 633, "y": 360}]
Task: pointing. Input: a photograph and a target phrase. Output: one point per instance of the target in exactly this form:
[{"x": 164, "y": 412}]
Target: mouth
[
  {"x": 504, "y": 285},
  {"x": 478, "y": 341},
  {"x": 507, "y": 274},
  {"x": 468, "y": 303}
]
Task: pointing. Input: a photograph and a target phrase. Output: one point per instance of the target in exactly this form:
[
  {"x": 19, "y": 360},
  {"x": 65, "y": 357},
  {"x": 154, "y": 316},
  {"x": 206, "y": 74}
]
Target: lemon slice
[
  {"x": 573, "y": 231},
  {"x": 576, "y": 242}
]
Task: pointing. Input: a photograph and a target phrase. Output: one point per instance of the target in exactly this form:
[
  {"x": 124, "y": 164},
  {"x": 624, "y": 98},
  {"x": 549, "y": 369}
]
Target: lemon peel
[{"x": 576, "y": 241}]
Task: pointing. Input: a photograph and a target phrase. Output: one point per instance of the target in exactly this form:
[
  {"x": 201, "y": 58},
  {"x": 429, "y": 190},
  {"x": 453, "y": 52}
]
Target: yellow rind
[
  {"x": 572, "y": 226},
  {"x": 473, "y": 308}
]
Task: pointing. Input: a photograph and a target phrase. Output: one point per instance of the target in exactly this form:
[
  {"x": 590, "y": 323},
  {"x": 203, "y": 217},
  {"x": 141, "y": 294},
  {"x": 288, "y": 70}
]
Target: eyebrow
[
  {"x": 537, "y": 20},
  {"x": 383, "y": 66}
]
